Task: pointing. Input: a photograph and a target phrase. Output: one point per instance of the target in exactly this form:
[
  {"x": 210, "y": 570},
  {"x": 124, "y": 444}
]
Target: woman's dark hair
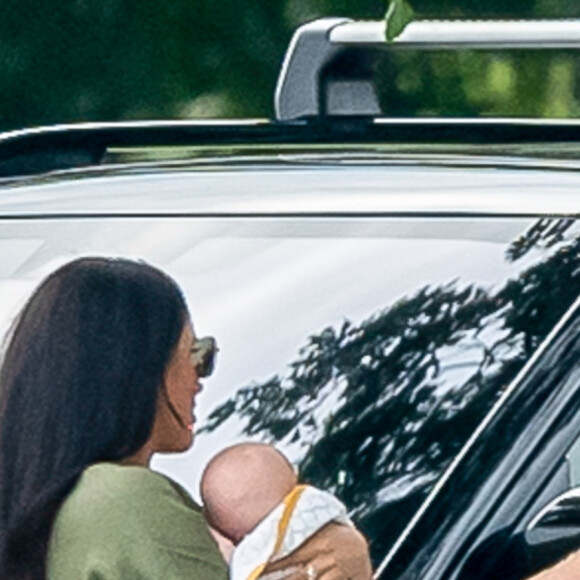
[{"x": 78, "y": 384}]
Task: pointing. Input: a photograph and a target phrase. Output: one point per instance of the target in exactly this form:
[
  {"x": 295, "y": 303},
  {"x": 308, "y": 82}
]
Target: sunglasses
[{"x": 203, "y": 355}]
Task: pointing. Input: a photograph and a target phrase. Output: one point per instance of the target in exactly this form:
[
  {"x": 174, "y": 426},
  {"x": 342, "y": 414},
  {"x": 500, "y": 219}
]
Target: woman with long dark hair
[{"x": 101, "y": 370}]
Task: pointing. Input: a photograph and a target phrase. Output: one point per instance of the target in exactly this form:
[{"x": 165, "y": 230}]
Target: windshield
[{"x": 367, "y": 350}]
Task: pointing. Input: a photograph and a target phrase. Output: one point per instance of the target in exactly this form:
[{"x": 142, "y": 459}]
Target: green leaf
[{"x": 399, "y": 14}]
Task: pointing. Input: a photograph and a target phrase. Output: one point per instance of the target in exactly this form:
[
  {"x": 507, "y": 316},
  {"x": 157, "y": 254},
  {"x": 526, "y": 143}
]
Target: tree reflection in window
[{"x": 379, "y": 409}]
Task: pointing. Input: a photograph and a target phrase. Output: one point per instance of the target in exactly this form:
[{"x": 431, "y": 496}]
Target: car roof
[
  {"x": 353, "y": 167},
  {"x": 360, "y": 186},
  {"x": 44, "y": 149}
]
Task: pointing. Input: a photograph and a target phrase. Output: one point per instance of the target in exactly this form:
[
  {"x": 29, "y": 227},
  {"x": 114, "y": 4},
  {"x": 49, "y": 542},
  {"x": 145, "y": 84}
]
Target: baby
[{"x": 251, "y": 496}]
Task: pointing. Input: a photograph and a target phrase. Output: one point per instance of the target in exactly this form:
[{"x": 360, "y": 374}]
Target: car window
[
  {"x": 573, "y": 459},
  {"x": 368, "y": 350}
]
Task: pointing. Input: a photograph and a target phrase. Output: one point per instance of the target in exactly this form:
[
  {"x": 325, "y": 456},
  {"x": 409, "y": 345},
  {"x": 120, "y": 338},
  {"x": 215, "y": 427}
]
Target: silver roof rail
[{"x": 327, "y": 70}]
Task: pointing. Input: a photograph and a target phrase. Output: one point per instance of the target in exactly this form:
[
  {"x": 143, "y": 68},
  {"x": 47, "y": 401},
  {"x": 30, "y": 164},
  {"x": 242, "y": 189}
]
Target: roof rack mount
[{"x": 327, "y": 68}]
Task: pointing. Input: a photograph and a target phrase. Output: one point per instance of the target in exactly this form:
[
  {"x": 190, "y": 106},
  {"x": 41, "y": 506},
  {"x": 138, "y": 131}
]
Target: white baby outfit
[{"x": 302, "y": 513}]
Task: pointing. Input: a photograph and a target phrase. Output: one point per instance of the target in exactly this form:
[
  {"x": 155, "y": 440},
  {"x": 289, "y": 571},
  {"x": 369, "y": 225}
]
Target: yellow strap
[
  {"x": 256, "y": 572},
  {"x": 290, "y": 502}
]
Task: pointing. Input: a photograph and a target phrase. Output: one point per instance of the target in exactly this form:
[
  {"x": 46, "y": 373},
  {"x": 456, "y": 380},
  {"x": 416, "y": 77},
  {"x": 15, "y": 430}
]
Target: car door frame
[{"x": 493, "y": 487}]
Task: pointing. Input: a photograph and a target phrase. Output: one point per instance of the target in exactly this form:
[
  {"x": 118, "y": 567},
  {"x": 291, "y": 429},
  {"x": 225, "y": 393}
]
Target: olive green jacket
[{"x": 131, "y": 523}]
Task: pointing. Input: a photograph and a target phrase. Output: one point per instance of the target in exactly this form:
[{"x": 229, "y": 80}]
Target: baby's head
[{"x": 242, "y": 484}]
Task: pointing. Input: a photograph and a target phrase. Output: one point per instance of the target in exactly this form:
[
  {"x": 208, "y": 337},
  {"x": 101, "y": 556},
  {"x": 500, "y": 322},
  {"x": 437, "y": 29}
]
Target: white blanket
[{"x": 302, "y": 513}]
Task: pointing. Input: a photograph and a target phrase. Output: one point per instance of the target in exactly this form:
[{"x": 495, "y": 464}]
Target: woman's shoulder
[
  {"x": 118, "y": 476},
  {"x": 104, "y": 484},
  {"x": 130, "y": 518},
  {"x": 108, "y": 492}
]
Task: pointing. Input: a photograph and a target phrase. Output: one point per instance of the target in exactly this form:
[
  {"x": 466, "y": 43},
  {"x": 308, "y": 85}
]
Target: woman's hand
[
  {"x": 567, "y": 569},
  {"x": 336, "y": 552}
]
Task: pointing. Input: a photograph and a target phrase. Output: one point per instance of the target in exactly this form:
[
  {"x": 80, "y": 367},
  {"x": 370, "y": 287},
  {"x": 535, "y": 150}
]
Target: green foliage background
[{"x": 75, "y": 60}]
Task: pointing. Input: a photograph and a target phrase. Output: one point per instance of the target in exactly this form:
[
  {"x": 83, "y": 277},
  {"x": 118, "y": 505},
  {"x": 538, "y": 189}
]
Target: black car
[{"x": 396, "y": 300}]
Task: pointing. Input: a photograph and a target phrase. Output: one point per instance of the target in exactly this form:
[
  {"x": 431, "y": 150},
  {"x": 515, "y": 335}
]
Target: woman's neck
[{"x": 141, "y": 458}]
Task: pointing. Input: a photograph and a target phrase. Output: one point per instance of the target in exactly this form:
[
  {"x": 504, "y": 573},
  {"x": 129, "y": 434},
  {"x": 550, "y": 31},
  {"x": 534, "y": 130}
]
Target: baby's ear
[{"x": 225, "y": 545}]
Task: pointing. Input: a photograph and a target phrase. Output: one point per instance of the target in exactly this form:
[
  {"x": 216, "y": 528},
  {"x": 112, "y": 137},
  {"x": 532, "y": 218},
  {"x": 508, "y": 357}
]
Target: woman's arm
[
  {"x": 567, "y": 569},
  {"x": 336, "y": 552}
]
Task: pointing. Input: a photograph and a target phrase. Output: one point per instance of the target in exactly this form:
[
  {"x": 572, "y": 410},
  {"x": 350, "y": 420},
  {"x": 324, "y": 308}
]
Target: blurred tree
[
  {"x": 474, "y": 83},
  {"x": 74, "y": 60}
]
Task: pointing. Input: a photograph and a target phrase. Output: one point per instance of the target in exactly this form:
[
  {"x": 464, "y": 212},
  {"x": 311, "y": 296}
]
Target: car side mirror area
[{"x": 554, "y": 532}]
